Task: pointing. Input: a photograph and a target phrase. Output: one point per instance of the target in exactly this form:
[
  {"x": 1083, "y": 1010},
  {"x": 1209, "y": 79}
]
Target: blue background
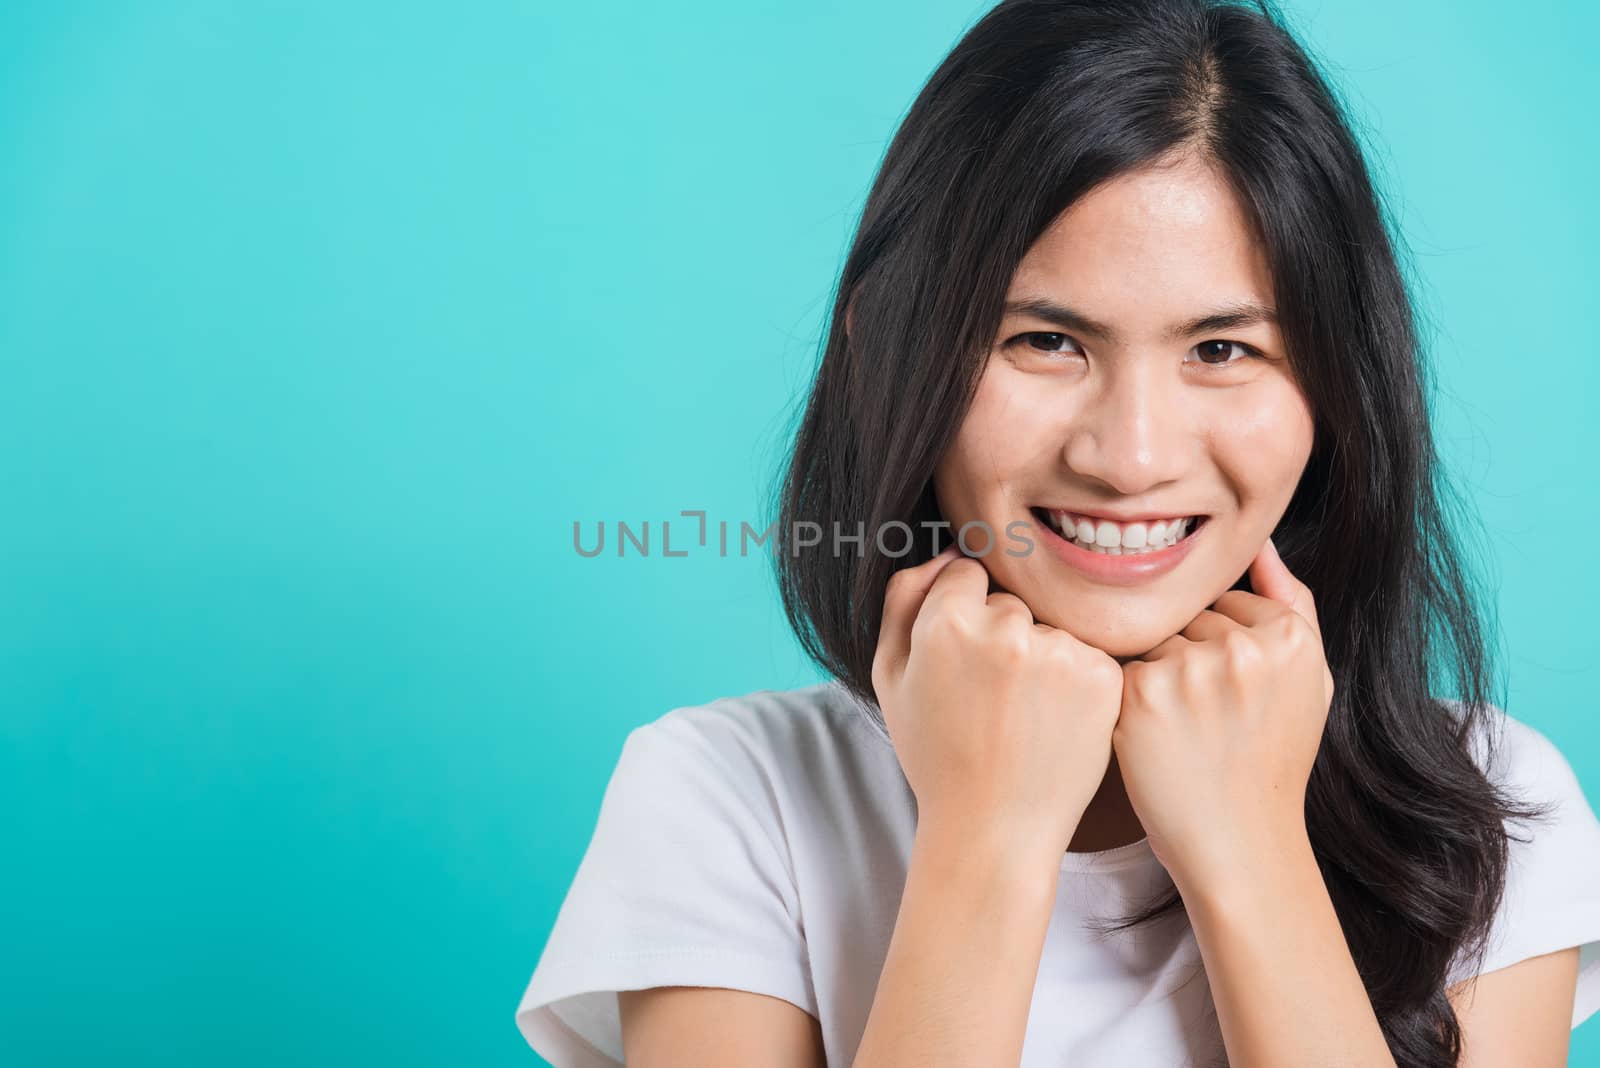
[{"x": 320, "y": 324}]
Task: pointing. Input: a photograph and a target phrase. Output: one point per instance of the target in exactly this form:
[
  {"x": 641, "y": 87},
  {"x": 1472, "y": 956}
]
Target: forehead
[{"x": 1150, "y": 245}]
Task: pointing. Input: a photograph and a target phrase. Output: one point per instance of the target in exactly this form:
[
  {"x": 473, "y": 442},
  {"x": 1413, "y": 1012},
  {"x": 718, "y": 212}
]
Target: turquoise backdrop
[{"x": 320, "y": 324}]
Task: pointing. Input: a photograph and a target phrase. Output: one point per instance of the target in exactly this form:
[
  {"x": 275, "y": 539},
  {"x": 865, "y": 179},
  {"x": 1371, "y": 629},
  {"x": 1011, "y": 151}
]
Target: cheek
[
  {"x": 1001, "y": 436},
  {"x": 1263, "y": 445}
]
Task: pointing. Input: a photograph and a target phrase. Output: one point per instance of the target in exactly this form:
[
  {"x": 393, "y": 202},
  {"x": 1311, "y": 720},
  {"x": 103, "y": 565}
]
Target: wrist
[
  {"x": 1005, "y": 850},
  {"x": 1251, "y": 877}
]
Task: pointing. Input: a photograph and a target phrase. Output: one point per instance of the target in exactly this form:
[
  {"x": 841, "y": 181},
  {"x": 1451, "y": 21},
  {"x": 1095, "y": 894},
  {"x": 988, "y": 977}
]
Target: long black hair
[{"x": 1041, "y": 101}]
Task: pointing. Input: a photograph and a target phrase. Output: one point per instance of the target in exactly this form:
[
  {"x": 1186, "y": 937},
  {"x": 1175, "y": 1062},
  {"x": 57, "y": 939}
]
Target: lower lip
[{"x": 1121, "y": 570}]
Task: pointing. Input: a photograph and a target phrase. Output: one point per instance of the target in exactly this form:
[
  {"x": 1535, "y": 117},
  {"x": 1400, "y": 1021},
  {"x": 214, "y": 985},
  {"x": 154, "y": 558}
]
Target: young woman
[{"x": 1161, "y": 728}]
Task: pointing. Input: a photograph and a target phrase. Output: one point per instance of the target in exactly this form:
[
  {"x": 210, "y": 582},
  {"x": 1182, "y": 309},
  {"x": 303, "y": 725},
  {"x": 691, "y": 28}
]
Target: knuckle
[
  {"x": 947, "y": 625},
  {"x": 1010, "y": 642},
  {"x": 962, "y": 566},
  {"x": 1008, "y": 604},
  {"x": 1055, "y": 648},
  {"x": 1290, "y": 628},
  {"x": 896, "y": 586},
  {"x": 1105, "y": 673},
  {"x": 1240, "y": 649}
]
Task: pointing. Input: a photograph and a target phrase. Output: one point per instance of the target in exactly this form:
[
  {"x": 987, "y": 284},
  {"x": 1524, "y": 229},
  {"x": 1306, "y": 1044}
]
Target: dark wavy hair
[{"x": 1041, "y": 101}]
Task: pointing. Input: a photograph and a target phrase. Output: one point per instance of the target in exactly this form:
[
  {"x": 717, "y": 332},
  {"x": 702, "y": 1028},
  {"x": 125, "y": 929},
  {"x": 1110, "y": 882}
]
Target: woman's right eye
[{"x": 1044, "y": 341}]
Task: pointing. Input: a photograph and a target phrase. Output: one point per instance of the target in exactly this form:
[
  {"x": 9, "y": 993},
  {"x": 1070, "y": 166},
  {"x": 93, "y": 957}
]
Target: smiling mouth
[{"x": 1118, "y": 539}]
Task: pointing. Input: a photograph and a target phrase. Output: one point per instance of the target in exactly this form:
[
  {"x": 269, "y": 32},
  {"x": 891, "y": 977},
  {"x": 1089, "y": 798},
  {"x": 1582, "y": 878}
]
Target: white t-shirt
[{"x": 761, "y": 843}]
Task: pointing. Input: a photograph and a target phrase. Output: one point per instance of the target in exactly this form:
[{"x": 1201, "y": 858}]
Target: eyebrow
[{"x": 1229, "y": 317}]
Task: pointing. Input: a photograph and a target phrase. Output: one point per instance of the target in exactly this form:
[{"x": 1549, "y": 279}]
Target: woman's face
[{"x": 1109, "y": 400}]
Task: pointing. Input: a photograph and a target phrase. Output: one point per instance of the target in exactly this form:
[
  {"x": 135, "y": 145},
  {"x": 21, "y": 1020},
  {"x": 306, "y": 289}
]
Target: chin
[
  {"x": 1120, "y": 640},
  {"x": 1125, "y": 645}
]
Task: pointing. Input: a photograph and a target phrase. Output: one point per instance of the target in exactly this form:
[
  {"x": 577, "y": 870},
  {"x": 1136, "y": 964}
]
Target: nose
[{"x": 1132, "y": 434}]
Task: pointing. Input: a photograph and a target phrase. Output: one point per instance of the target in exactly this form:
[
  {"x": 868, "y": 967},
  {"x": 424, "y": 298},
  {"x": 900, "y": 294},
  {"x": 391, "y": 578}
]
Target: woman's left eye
[{"x": 1208, "y": 348}]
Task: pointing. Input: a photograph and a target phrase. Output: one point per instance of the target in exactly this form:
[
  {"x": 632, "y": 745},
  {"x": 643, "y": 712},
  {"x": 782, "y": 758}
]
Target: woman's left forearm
[{"x": 1282, "y": 978}]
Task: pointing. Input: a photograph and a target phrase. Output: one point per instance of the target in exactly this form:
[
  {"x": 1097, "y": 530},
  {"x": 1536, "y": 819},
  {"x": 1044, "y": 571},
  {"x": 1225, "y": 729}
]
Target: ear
[{"x": 850, "y": 316}]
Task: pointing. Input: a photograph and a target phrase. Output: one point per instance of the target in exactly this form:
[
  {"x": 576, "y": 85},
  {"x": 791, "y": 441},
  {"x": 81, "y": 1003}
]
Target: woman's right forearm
[{"x": 958, "y": 979}]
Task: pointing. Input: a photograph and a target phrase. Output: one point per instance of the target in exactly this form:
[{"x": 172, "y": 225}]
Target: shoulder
[
  {"x": 808, "y": 772},
  {"x": 1551, "y": 897},
  {"x": 690, "y": 876},
  {"x": 810, "y": 731},
  {"x": 1519, "y": 757}
]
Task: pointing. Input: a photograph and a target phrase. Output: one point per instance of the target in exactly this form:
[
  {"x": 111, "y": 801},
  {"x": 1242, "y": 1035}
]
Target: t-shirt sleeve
[
  {"x": 686, "y": 881},
  {"x": 1552, "y": 893}
]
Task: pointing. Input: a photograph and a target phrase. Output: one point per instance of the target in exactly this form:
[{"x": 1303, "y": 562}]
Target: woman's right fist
[{"x": 1001, "y": 724}]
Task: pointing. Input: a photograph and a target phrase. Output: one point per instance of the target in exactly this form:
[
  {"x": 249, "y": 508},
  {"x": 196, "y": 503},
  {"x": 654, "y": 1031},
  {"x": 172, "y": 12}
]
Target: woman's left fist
[{"x": 1220, "y": 726}]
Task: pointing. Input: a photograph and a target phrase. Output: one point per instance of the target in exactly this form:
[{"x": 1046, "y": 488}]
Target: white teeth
[{"x": 1107, "y": 537}]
